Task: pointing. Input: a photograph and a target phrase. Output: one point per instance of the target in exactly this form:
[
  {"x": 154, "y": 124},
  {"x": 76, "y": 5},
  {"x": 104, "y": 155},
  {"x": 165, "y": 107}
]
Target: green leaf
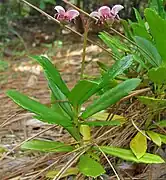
[
  {"x": 90, "y": 167},
  {"x": 157, "y": 27},
  {"x": 102, "y": 116},
  {"x": 140, "y": 30},
  {"x": 82, "y": 92},
  {"x": 138, "y": 17},
  {"x": 103, "y": 123},
  {"x": 158, "y": 6},
  {"x": 152, "y": 102},
  {"x": 102, "y": 66},
  {"x": 128, "y": 155},
  {"x": 111, "y": 97},
  {"x": 111, "y": 40},
  {"x": 43, "y": 112},
  {"x": 139, "y": 145},
  {"x": 74, "y": 132},
  {"x": 55, "y": 106},
  {"x": 160, "y": 124},
  {"x": 47, "y": 146},
  {"x": 39, "y": 109},
  {"x": 61, "y": 97},
  {"x": 154, "y": 137},
  {"x": 163, "y": 138},
  {"x": 52, "y": 73},
  {"x": 158, "y": 75},
  {"x": 127, "y": 29},
  {"x": 69, "y": 172},
  {"x": 139, "y": 60},
  {"x": 42, "y": 5},
  {"x": 85, "y": 132},
  {"x": 153, "y": 56},
  {"x": 117, "y": 68},
  {"x": 107, "y": 40},
  {"x": 55, "y": 82}
]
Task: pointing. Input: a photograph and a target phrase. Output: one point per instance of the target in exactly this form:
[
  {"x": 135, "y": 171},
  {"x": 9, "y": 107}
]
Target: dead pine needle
[{"x": 109, "y": 162}]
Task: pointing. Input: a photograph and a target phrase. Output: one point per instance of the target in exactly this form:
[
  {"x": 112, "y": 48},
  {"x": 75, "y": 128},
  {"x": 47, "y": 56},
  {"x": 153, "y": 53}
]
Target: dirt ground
[{"x": 17, "y": 125}]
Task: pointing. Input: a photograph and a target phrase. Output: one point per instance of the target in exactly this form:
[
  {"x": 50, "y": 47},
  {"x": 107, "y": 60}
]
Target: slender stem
[
  {"x": 84, "y": 50},
  {"x": 76, "y": 114},
  {"x": 149, "y": 119}
]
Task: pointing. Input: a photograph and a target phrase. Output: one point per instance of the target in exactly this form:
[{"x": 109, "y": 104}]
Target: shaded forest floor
[{"x": 17, "y": 125}]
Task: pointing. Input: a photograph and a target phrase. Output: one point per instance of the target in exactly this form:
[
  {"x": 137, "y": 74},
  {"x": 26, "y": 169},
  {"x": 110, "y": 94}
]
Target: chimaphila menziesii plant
[{"x": 66, "y": 108}]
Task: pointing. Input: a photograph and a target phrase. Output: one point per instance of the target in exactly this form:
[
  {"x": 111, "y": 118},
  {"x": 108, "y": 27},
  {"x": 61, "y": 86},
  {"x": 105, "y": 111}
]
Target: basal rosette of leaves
[{"x": 67, "y": 114}]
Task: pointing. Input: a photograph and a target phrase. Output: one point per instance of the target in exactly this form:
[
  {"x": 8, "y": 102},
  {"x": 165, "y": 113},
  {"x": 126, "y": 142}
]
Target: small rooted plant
[{"x": 66, "y": 110}]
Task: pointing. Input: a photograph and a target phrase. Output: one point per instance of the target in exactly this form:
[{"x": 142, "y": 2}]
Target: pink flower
[
  {"x": 104, "y": 13},
  {"x": 63, "y": 15}
]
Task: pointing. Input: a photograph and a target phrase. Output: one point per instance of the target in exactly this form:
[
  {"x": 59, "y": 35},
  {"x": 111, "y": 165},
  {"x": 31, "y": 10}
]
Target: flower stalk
[{"x": 84, "y": 50}]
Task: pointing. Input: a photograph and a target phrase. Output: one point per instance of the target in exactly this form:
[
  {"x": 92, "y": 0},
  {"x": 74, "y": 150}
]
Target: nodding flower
[
  {"x": 105, "y": 13},
  {"x": 63, "y": 15}
]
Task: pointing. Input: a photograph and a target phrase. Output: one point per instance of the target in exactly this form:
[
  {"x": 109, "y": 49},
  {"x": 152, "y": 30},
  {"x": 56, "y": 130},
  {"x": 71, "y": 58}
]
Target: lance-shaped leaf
[
  {"x": 43, "y": 112},
  {"x": 90, "y": 167},
  {"x": 102, "y": 116},
  {"x": 152, "y": 102},
  {"x": 157, "y": 27},
  {"x": 82, "y": 91},
  {"x": 61, "y": 97},
  {"x": 39, "y": 109},
  {"x": 158, "y": 6},
  {"x": 127, "y": 30},
  {"x": 55, "y": 82},
  {"x": 154, "y": 137},
  {"x": 163, "y": 138},
  {"x": 114, "y": 44},
  {"x": 111, "y": 97},
  {"x": 128, "y": 155},
  {"x": 69, "y": 172},
  {"x": 151, "y": 54},
  {"x": 117, "y": 68},
  {"x": 47, "y": 146},
  {"x": 55, "y": 106},
  {"x": 140, "y": 30},
  {"x": 138, "y": 17},
  {"x": 161, "y": 124},
  {"x": 102, "y": 66},
  {"x": 139, "y": 145},
  {"x": 52, "y": 73},
  {"x": 85, "y": 131}
]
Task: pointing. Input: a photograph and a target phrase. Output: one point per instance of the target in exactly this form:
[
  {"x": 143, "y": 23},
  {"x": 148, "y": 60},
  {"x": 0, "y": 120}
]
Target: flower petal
[
  {"x": 95, "y": 14},
  {"x": 60, "y": 10},
  {"x": 72, "y": 14},
  {"x": 104, "y": 11},
  {"x": 115, "y": 9}
]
